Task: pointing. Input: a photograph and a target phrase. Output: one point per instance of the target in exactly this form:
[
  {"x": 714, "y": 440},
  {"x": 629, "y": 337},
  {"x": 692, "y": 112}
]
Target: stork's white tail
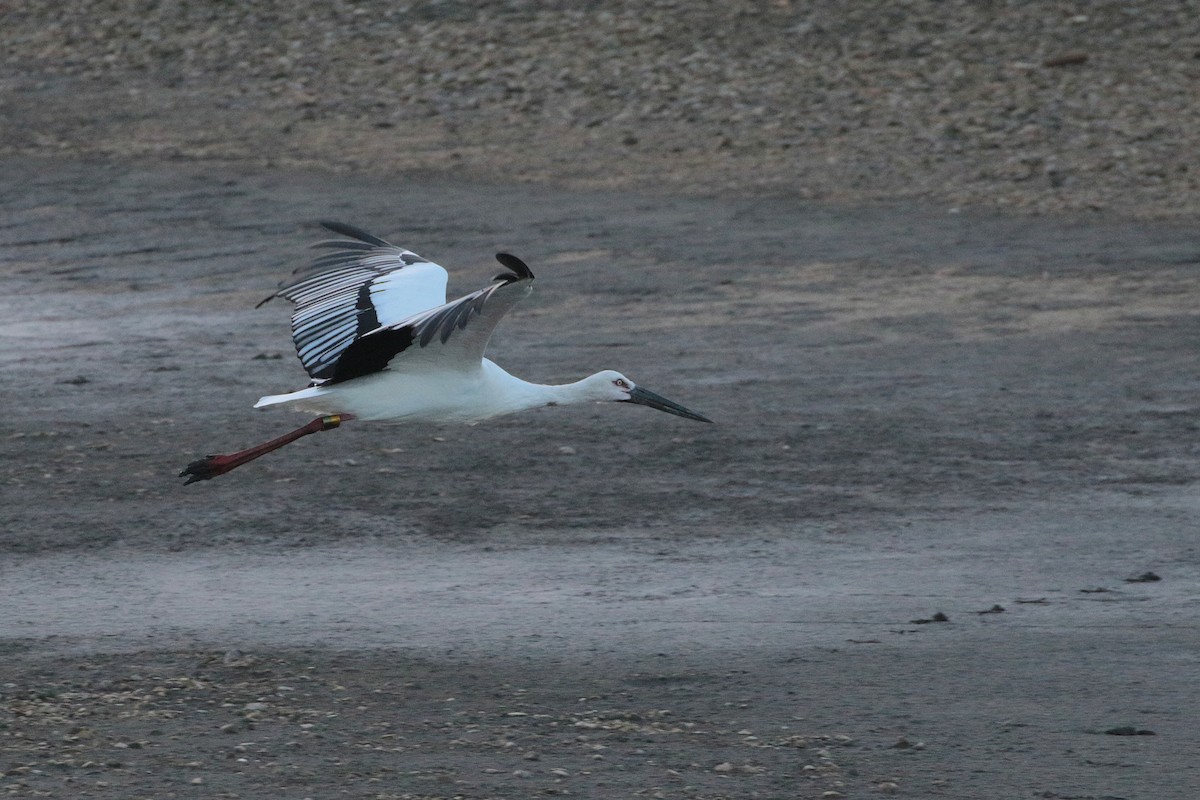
[{"x": 296, "y": 400}]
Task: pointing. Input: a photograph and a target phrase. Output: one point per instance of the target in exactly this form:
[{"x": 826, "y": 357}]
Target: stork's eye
[{"x": 620, "y": 384}]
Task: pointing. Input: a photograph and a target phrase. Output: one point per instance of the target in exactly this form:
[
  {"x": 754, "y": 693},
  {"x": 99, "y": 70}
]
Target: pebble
[{"x": 1128, "y": 730}]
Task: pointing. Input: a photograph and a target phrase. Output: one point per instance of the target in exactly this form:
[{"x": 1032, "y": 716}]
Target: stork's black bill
[{"x": 645, "y": 397}]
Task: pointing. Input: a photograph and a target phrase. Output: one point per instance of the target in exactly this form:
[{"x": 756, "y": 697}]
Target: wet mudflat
[{"x": 919, "y": 412}]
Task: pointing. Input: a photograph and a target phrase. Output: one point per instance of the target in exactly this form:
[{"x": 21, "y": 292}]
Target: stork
[{"x": 374, "y": 332}]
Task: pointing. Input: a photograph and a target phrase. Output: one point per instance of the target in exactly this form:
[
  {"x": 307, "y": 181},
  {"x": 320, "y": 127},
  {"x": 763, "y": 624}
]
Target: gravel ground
[
  {"x": 1020, "y": 105},
  {"x": 302, "y": 724}
]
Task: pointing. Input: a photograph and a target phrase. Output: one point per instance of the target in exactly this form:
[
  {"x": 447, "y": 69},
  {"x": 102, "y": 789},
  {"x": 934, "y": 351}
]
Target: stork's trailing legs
[{"x": 214, "y": 465}]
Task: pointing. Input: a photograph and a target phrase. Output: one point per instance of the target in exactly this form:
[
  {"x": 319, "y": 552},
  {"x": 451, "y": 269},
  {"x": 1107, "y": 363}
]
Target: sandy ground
[{"x": 918, "y": 413}]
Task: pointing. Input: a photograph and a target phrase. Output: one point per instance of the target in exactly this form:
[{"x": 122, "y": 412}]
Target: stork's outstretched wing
[
  {"x": 363, "y": 285},
  {"x": 452, "y": 334}
]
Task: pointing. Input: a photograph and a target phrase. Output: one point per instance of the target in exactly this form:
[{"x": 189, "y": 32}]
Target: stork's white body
[
  {"x": 374, "y": 331},
  {"x": 427, "y": 394}
]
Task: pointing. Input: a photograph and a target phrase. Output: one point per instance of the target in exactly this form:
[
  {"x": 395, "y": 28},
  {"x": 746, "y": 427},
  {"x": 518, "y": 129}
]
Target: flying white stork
[{"x": 374, "y": 331}]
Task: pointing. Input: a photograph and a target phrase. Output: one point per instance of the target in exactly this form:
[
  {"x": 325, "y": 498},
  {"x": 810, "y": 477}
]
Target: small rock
[
  {"x": 1145, "y": 577},
  {"x": 1129, "y": 730},
  {"x": 1066, "y": 60}
]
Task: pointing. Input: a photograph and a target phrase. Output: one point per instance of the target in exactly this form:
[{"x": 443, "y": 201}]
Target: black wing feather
[
  {"x": 371, "y": 353},
  {"x": 354, "y": 233}
]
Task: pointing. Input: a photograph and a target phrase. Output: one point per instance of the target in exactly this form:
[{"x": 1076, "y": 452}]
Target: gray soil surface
[
  {"x": 940, "y": 542},
  {"x": 917, "y": 412}
]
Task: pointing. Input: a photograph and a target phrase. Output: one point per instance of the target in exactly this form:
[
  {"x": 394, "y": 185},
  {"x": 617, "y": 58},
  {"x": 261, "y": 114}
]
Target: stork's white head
[
  {"x": 608, "y": 385},
  {"x": 612, "y": 385}
]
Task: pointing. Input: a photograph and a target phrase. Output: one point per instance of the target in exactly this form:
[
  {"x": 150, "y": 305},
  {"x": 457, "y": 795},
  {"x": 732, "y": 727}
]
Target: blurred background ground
[{"x": 1014, "y": 105}]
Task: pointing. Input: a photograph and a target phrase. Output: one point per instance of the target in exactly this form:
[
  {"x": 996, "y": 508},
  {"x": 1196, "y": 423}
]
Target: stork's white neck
[
  {"x": 514, "y": 394},
  {"x": 565, "y": 393}
]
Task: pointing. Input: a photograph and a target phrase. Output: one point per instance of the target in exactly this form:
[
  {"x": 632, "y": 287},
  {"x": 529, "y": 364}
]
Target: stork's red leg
[{"x": 214, "y": 465}]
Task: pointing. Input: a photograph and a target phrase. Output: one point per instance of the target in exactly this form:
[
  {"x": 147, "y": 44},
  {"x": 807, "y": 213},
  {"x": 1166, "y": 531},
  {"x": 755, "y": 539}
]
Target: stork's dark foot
[{"x": 208, "y": 468}]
